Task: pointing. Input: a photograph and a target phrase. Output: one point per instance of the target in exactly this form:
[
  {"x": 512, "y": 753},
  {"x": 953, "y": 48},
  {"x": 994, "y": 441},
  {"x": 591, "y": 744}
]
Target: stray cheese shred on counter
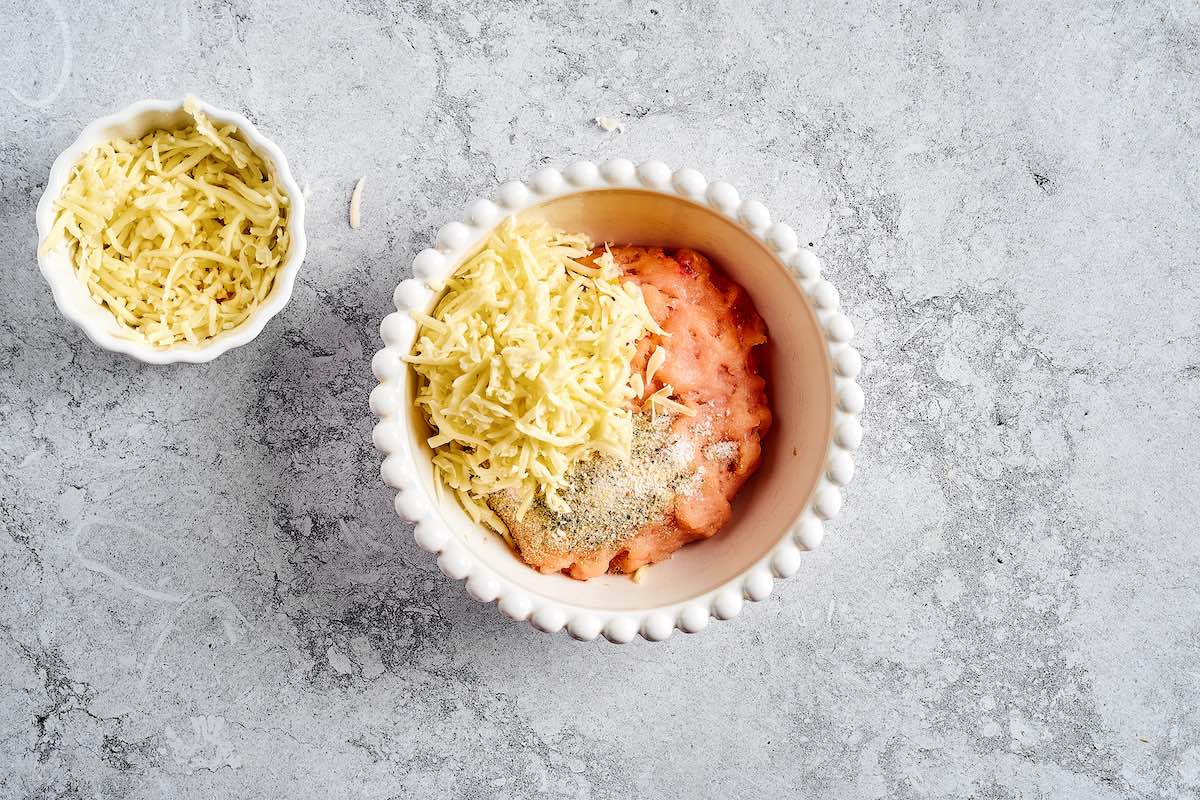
[
  {"x": 524, "y": 367},
  {"x": 179, "y": 234}
]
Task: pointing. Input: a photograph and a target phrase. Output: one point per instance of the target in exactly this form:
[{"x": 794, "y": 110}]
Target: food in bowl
[
  {"x": 178, "y": 234},
  {"x": 599, "y": 407}
]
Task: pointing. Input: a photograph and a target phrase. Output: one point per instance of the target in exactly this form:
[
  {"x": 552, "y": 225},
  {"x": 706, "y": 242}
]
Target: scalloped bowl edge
[{"x": 390, "y": 403}]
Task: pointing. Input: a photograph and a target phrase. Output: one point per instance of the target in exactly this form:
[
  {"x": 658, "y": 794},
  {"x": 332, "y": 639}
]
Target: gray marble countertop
[{"x": 205, "y": 593}]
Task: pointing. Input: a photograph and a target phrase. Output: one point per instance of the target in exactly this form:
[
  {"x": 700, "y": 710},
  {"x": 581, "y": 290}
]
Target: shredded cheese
[
  {"x": 656, "y": 360},
  {"x": 609, "y": 124},
  {"x": 356, "y": 204},
  {"x": 662, "y": 400},
  {"x": 179, "y": 234},
  {"x": 524, "y": 367},
  {"x": 637, "y": 384}
]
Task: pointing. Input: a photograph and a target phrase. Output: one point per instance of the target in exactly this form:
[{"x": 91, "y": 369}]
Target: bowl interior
[
  {"x": 800, "y": 386},
  {"x": 56, "y": 264}
]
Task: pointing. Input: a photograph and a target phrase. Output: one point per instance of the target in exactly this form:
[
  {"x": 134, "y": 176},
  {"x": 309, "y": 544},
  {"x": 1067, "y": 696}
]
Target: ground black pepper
[{"x": 610, "y": 500}]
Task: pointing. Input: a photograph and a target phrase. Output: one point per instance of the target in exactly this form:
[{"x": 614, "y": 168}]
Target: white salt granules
[{"x": 721, "y": 451}]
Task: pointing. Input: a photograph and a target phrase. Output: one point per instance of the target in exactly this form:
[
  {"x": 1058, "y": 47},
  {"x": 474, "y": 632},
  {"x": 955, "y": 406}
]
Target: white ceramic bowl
[
  {"x": 811, "y": 370},
  {"x": 72, "y": 297}
]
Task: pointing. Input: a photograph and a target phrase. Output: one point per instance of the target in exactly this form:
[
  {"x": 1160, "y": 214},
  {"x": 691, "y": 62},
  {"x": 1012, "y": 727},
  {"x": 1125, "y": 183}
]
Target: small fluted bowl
[
  {"x": 810, "y": 367},
  {"x": 73, "y": 298}
]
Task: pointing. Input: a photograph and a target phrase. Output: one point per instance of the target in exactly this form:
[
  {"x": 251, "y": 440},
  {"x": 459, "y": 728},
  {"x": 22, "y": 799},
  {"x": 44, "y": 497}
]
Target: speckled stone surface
[{"x": 204, "y": 592}]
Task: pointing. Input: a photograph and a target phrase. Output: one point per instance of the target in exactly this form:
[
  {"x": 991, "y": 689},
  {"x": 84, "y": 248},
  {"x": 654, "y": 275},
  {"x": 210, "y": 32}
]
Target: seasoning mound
[
  {"x": 609, "y": 498},
  {"x": 179, "y": 234}
]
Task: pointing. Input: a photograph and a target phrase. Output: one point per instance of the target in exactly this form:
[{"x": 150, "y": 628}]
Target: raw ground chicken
[{"x": 684, "y": 471}]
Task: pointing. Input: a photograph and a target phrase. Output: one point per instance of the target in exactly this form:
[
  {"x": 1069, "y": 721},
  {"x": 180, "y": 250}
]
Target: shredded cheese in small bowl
[{"x": 171, "y": 232}]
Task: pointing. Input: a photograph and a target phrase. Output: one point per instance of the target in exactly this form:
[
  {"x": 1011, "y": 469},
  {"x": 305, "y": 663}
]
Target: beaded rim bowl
[{"x": 811, "y": 370}]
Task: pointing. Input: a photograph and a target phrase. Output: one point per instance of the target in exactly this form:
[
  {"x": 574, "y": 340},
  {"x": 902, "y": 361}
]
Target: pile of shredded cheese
[
  {"x": 524, "y": 367},
  {"x": 179, "y": 234},
  {"x": 661, "y": 398}
]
